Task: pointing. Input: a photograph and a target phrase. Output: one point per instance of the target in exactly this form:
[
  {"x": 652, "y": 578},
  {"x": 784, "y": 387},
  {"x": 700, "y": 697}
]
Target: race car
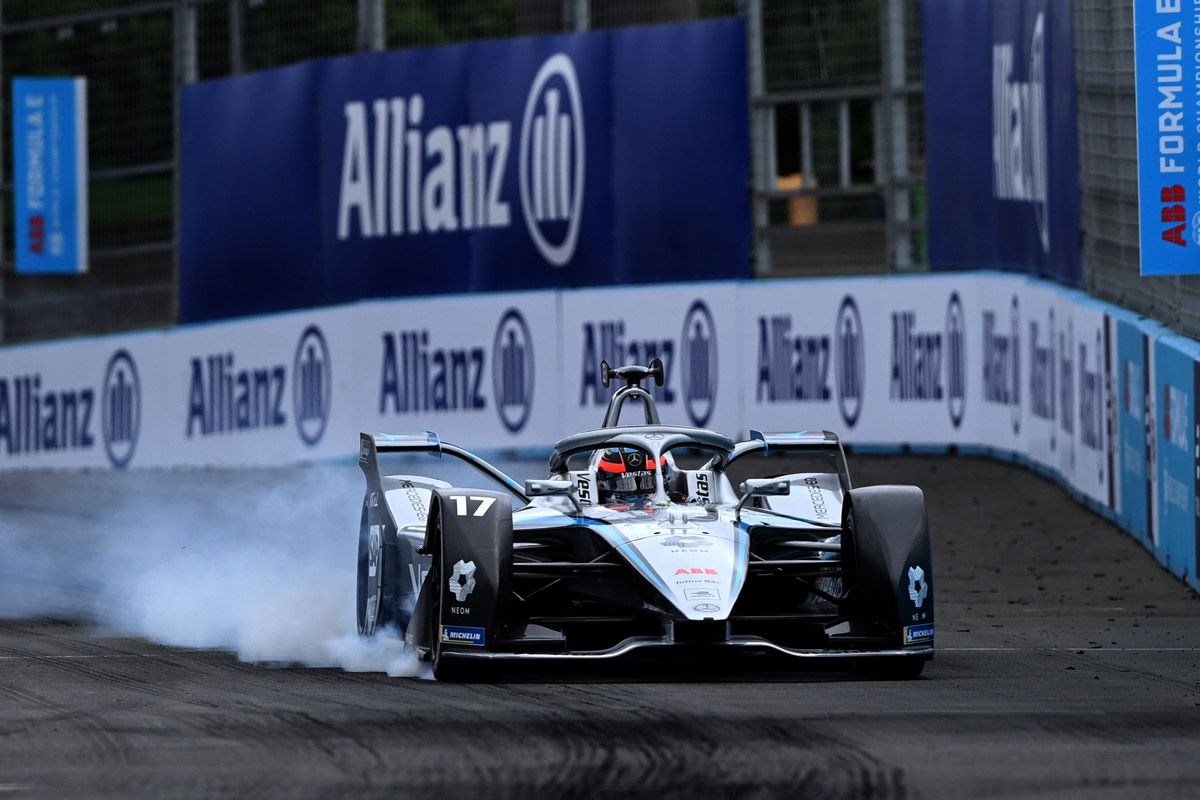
[{"x": 637, "y": 542}]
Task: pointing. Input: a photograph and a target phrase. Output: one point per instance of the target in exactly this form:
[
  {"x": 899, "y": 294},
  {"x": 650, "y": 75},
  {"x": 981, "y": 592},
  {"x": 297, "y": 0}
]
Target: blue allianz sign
[
  {"x": 1167, "y": 139},
  {"x": 585, "y": 159},
  {"x": 1002, "y": 139},
  {"x": 50, "y": 169}
]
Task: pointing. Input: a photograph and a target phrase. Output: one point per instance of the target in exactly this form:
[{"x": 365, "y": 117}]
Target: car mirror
[
  {"x": 765, "y": 487},
  {"x": 760, "y": 487},
  {"x": 554, "y": 488}
]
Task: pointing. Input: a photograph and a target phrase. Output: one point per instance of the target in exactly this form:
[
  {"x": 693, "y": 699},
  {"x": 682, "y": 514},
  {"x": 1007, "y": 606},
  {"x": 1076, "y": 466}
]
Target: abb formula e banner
[
  {"x": 1094, "y": 396},
  {"x": 1001, "y": 137},
  {"x": 50, "y": 174},
  {"x": 1166, "y": 44},
  {"x": 609, "y": 157}
]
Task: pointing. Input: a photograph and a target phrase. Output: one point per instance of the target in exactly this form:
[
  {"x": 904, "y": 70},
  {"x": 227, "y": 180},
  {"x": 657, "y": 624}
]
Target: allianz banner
[
  {"x": 1001, "y": 137},
  {"x": 556, "y": 161}
]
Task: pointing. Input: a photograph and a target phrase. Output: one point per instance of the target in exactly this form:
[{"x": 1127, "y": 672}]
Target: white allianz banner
[
  {"x": 481, "y": 371},
  {"x": 972, "y": 359},
  {"x": 264, "y": 391},
  {"x": 82, "y": 403},
  {"x": 692, "y": 328},
  {"x": 879, "y": 361},
  {"x": 1044, "y": 374}
]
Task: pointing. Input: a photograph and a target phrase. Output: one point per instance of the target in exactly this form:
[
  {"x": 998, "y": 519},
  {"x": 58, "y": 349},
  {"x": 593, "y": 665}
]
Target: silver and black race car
[{"x": 638, "y": 542}]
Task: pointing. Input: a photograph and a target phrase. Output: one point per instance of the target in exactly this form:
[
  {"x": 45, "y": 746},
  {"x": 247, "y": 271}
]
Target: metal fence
[
  {"x": 836, "y": 109},
  {"x": 1108, "y": 171},
  {"x": 837, "y": 139}
]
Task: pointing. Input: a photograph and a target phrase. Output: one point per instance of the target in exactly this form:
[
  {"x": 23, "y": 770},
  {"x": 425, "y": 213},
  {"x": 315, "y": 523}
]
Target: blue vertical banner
[
  {"x": 1175, "y": 381},
  {"x": 50, "y": 174},
  {"x": 1165, "y": 48},
  {"x": 1135, "y": 444},
  {"x": 1002, "y": 140}
]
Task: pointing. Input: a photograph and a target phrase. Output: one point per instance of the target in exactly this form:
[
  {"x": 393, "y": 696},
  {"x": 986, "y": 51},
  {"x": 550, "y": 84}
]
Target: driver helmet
[{"x": 626, "y": 475}]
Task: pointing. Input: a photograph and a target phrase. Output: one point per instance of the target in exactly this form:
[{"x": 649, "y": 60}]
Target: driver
[{"x": 626, "y": 475}]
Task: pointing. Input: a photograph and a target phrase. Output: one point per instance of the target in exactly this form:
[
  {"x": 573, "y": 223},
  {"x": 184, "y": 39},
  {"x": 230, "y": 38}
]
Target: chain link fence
[
  {"x": 1108, "y": 171},
  {"x": 835, "y": 91},
  {"x": 839, "y": 143},
  {"x": 125, "y": 53}
]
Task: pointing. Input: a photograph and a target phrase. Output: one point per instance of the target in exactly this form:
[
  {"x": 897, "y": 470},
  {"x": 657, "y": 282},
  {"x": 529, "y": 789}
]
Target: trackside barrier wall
[{"x": 1099, "y": 399}]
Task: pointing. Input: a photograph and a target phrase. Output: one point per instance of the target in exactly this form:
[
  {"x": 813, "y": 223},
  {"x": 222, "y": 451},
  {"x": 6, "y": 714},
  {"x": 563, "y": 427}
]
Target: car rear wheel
[
  {"x": 367, "y": 604},
  {"x": 376, "y": 605}
]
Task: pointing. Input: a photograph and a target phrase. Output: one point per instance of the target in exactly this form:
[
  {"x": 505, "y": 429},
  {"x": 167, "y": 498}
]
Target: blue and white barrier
[{"x": 1096, "y": 397}]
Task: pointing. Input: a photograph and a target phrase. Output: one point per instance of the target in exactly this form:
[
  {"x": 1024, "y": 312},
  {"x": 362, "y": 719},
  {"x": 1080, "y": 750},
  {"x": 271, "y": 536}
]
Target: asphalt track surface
[{"x": 1067, "y": 667}]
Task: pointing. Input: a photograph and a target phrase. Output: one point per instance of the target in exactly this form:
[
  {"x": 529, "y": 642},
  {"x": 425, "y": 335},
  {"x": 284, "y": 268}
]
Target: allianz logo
[
  {"x": 225, "y": 397},
  {"x": 930, "y": 364},
  {"x": 690, "y": 361},
  {"x": 421, "y": 375},
  {"x": 1042, "y": 370},
  {"x": 794, "y": 366},
  {"x": 1002, "y": 362},
  {"x": 1091, "y": 395},
  {"x": 399, "y": 179},
  {"x": 38, "y": 417},
  {"x": 1020, "y": 151},
  {"x": 1081, "y": 368}
]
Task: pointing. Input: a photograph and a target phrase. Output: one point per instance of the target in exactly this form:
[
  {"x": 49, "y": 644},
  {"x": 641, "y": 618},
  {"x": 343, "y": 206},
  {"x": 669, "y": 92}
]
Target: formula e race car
[{"x": 637, "y": 542}]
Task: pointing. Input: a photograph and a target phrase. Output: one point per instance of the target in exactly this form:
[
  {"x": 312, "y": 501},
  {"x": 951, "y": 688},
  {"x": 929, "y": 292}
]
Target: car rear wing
[
  {"x": 371, "y": 445},
  {"x": 776, "y": 443},
  {"x": 795, "y": 439}
]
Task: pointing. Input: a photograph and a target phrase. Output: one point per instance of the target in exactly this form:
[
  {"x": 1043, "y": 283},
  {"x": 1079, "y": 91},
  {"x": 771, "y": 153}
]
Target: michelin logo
[
  {"x": 399, "y": 180},
  {"x": 916, "y": 634},
  {"x": 453, "y": 634}
]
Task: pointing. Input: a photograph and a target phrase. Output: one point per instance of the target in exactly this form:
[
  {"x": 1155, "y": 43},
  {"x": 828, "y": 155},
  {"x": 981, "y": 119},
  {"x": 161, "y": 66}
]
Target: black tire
[
  {"x": 385, "y": 612},
  {"x": 890, "y": 668}
]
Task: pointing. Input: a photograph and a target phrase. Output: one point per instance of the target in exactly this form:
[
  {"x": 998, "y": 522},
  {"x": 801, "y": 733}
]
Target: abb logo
[
  {"x": 37, "y": 234},
  {"x": 695, "y": 571},
  {"x": 1173, "y": 213}
]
